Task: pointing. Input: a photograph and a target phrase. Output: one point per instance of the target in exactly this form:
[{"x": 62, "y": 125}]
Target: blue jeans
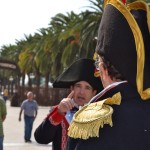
[
  {"x": 1, "y": 142},
  {"x": 28, "y": 127}
]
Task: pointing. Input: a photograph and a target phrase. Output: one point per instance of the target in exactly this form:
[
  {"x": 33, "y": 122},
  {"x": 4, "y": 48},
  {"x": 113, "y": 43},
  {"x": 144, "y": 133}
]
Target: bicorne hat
[
  {"x": 124, "y": 40},
  {"x": 81, "y": 70}
]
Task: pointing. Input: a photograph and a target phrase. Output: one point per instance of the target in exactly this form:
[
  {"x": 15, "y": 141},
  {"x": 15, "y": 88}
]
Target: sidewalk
[{"x": 14, "y": 130}]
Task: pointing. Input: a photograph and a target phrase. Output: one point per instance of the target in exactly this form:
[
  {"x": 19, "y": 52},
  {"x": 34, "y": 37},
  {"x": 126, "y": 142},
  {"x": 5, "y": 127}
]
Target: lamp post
[
  {"x": 11, "y": 81},
  {"x": 32, "y": 76}
]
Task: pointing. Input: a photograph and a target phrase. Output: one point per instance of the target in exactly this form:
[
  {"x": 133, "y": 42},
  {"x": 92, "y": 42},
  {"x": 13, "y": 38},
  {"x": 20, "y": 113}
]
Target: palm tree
[
  {"x": 43, "y": 56},
  {"x": 66, "y": 39},
  {"x": 90, "y": 24},
  {"x": 26, "y": 57}
]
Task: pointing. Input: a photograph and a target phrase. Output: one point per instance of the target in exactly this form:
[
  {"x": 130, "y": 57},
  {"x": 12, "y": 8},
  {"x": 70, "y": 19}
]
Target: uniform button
[{"x": 146, "y": 130}]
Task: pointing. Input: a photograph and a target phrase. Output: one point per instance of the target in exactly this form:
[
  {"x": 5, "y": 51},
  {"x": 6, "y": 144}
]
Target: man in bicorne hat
[
  {"x": 80, "y": 78},
  {"x": 118, "y": 118}
]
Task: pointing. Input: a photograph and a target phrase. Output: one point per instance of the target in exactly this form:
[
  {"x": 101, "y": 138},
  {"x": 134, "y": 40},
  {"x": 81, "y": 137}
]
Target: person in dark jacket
[
  {"x": 80, "y": 77},
  {"x": 117, "y": 118}
]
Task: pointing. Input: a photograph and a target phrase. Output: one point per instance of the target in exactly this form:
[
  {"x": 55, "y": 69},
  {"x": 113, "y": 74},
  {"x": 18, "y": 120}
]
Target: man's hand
[{"x": 66, "y": 104}]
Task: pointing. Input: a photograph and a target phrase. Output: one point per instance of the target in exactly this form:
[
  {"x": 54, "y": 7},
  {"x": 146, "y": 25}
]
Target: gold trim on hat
[
  {"x": 140, "y": 5},
  {"x": 125, "y": 10},
  {"x": 135, "y": 6}
]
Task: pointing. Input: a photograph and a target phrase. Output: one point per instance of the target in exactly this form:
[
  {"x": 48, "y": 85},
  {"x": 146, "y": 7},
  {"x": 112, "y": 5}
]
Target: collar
[{"x": 105, "y": 90}]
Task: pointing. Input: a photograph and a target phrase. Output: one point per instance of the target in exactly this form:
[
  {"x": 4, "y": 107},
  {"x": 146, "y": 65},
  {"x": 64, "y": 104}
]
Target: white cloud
[{"x": 19, "y": 17}]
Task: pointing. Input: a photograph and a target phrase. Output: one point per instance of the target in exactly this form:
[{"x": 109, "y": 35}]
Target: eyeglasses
[{"x": 97, "y": 64}]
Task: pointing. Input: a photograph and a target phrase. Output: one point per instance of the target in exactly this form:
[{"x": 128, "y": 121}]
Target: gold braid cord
[
  {"x": 87, "y": 121},
  {"x": 141, "y": 5}
]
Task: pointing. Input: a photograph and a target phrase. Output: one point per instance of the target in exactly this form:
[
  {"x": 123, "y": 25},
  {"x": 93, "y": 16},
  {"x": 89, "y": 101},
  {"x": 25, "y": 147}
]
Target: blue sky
[{"x": 19, "y": 17}]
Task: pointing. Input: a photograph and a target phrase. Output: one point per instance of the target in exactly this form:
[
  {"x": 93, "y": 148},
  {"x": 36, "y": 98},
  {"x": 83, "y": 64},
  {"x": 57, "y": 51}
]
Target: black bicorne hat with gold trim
[
  {"x": 124, "y": 40},
  {"x": 81, "y": 70}
]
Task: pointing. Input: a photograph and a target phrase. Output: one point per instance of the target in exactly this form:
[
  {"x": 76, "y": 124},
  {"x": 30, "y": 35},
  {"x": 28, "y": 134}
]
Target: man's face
[
  {"x": 83, "y": 92},
  {"x": 30, "y": 97}
]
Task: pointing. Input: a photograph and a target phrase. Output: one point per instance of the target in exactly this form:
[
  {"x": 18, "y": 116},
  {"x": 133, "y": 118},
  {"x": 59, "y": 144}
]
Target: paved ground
[{"x": 14, "y": 130}]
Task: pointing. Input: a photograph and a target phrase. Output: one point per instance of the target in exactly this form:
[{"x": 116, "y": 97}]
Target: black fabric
[
  {"x": 74, "y": 109},
  {"x": 42, "y": 132},
  {"x": 116, "y": 43},
  {"x": 46, "y": 133},
  {"x": 131, "y": 125},
  {"x": 80, "y": 70}
]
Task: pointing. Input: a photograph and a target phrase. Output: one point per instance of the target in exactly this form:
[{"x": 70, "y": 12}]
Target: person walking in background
[
  {"x": 80, "y": 78},
  {"x": 30, "y": 108},
  {"x": 3, "y": 113},
  {"x": 5, "y": 94}
]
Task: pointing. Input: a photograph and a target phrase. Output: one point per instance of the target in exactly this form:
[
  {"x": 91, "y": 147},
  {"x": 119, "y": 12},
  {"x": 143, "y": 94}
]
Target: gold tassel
[
  {"x": 91, "y": 129},
  {"x": 87, "y": 121}
]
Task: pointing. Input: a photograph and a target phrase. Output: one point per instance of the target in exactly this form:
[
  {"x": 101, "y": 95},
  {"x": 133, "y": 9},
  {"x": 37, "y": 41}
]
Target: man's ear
[{"x": 103, "y": 71}]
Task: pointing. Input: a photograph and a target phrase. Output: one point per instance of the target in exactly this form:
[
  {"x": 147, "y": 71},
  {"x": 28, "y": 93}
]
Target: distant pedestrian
[
  {"x": 30, "y": 108},
  {"x": 3, "y": 113},
  {"x": 5, "y": 94}
]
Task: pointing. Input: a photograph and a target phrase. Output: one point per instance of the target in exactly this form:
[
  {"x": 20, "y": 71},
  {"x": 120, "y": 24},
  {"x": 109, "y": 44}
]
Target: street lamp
[
  {"x": 11, "y": 81},
  {"x": 32, "y": 76}
]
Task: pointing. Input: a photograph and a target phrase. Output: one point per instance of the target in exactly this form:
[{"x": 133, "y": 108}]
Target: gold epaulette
[{"x": 87, "y": 121}]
